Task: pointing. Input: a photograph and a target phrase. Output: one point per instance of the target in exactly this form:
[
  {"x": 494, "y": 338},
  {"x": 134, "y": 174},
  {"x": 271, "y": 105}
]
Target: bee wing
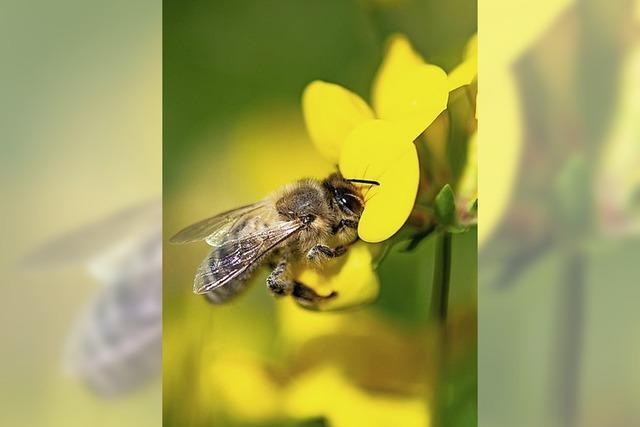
[
  {"x": 94, "y": 240},
  {"x": 230, "y": 259},
  {"x": 215, "y": 225}
]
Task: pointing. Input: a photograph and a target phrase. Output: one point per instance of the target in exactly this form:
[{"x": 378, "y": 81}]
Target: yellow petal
[
  {"x": 500, "y": 149},
  {"x": 407, "y": 90},
  {"x": 464, "y": 73},
  {"x": 381, "y": 151},
  {"x": 331, "y": 112},
  {"x": 351, "y": 276}
]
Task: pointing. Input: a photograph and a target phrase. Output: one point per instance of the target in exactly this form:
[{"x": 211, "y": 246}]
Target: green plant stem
[
  {"x": 437, "y": 399},
  {"x": 441, "y": 279},
  {"x": 570, "y": 336}
]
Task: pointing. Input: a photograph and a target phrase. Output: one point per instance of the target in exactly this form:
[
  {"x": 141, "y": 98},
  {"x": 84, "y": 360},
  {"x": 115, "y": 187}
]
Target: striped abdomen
[{"x": 242, "y": 252}]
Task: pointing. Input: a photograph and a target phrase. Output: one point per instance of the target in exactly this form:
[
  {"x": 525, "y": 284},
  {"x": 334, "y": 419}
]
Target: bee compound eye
[
  {"x": 308, "y": 219},
  {"x": 350, "y": 203}
]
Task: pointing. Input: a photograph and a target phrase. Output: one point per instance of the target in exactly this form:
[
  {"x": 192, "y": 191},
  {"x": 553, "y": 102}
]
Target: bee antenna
[{"x": 364, "y": 181}]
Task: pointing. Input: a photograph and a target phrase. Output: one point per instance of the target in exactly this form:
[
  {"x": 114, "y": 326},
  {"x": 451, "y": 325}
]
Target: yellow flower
[
  {"x": 331, "y": 113},
  {"x": 467, "y": 70},
  {"x": 407, "y": 90},
  {"x": 377, "y": 144},
  {"x": 378, "y": 150},
  {"x": 325, "y": 392}
]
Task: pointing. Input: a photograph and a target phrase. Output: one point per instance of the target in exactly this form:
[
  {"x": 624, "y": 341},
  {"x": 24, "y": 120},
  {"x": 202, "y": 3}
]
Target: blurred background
[
  {"x": 559, "y": 159},
  {"x": 80, "y": 166},
  {"x": 234, "y": 73}
]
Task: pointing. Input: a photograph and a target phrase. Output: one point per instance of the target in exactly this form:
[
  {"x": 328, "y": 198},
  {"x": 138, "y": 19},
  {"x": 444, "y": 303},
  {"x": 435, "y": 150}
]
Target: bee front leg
[
  {"x": 278, "y": 282},
  {"x": 344, "y": 223},
  {"x": 319, "y": 252}
]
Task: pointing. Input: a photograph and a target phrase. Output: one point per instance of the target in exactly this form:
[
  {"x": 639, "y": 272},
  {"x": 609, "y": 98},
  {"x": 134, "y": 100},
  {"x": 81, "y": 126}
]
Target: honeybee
[{"x": 309, "y": 221}]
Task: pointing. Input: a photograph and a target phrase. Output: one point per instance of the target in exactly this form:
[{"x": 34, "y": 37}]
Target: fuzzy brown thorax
[{"x": 324, "y": 207}]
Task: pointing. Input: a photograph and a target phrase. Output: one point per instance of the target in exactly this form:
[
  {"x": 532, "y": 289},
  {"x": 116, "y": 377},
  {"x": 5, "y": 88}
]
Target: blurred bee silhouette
[
  {"x": 309, "y": 221},
  {"x": 115, "y": 345}
]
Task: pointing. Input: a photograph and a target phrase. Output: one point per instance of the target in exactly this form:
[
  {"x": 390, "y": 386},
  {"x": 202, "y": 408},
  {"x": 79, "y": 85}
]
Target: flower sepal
[{"x": 447, "y": 213}]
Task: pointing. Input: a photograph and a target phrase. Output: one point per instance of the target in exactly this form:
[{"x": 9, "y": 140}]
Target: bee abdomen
[
  {"x": 227, "y": 292},
  {"x": 232, "y": 289}
]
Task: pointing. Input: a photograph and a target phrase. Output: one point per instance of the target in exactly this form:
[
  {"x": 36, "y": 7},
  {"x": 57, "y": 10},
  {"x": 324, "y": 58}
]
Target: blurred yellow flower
[
  {"x": 242, "y": 387},
  {"x": 501, "y": 142},
  {"x": 298, "y": 325},
  {"x": 325, "y": 392},
  {"x": 407, "y": 94},
  {"x": 467, "y": 70},
  {"x": 502, "y": 120}
]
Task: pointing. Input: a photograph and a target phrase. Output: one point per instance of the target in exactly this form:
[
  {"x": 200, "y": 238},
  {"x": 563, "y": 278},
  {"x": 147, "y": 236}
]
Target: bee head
[{"x": 344, "y": 194}]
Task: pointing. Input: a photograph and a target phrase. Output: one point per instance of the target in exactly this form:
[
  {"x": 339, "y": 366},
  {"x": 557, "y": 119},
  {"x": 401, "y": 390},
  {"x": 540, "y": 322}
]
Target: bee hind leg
[
  {"x": 308, "y": 298},
  {"x": 277, "y": 281}
]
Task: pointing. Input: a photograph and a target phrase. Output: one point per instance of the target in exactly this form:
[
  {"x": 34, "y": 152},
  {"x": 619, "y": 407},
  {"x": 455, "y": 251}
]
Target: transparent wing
[
  {"x": 93, "y": 240},
  {"x": 218, "y": 224},
  {"x": 230, "y": 259}
]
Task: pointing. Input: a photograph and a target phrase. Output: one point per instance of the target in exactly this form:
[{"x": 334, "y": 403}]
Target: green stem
[
  {"x": 437, "y": 399},
  {"x": 570, "y": 338},
  {"x": 441, "y": 279}
]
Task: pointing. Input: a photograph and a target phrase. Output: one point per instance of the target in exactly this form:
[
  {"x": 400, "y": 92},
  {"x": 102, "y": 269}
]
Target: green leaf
[{"x": 446, "y": 207}]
